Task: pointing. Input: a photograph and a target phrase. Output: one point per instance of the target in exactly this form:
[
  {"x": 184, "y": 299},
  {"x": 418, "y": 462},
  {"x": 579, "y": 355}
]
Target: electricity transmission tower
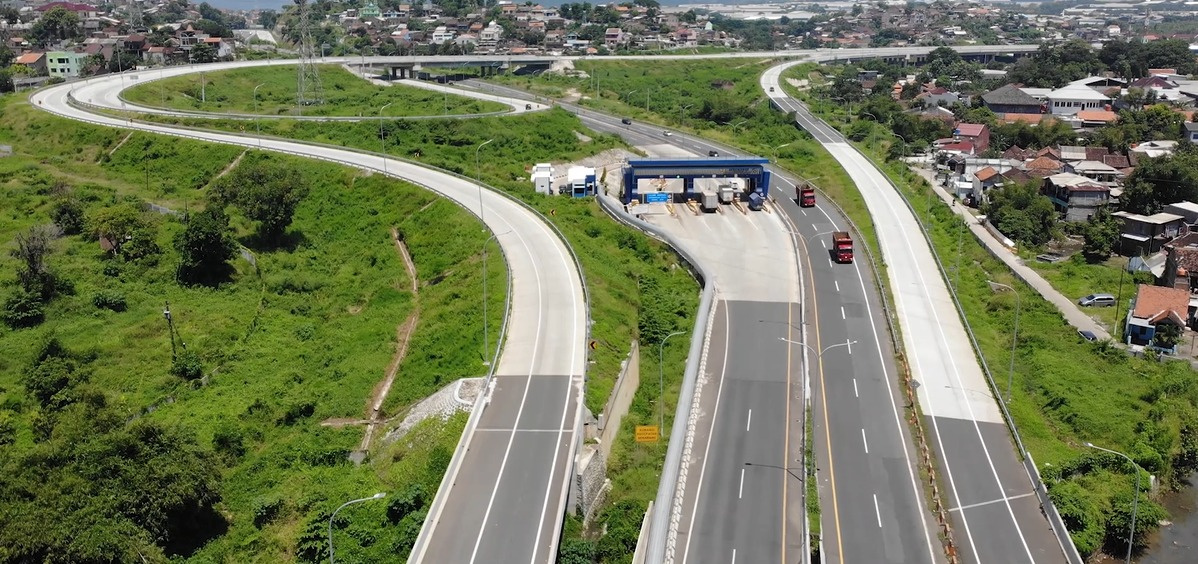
[{"x": 308, "y": 91}]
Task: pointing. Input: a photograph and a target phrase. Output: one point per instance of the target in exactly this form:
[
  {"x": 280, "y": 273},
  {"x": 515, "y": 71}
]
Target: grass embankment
[
  {"x": 1076, "y": 278},
  {"x": 231, "y": 91},
  {"x": 637, "y": 289},
  {"x": 306, "y": 341},
  {"x": 1066, "y": 391}
]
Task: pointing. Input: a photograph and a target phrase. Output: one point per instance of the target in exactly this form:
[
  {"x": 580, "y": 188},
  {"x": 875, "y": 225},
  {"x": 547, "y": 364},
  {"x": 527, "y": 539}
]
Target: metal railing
[{"x": 667, "y": 506}]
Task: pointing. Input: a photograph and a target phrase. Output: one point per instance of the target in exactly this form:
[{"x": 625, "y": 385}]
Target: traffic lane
[
  {"x": 1011, "y": 507},
  {"x": 529, "y": 468},
  {"x": 709, "y": 390},
  {"x": 742, "y": 506}
]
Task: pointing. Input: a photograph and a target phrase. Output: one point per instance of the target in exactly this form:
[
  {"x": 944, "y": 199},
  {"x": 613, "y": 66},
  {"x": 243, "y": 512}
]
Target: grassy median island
[
  {"x": 112, "y": 453},
  {"x": 1067, "y": 391},
  {"x": 231, "y": 91}
]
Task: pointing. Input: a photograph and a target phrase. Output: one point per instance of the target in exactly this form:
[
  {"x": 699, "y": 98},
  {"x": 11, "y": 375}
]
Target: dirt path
[
  {"x": 403, "y": 336},
  {"x": 231, "y": 166},
  {"x": 118, "y": 145}
]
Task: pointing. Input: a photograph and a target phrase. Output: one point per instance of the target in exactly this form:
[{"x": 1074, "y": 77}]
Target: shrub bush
[
  {"x": 109, "y": 299},
  {"x": 187, "y": 365},
  {"x": 22, "y": 310}
]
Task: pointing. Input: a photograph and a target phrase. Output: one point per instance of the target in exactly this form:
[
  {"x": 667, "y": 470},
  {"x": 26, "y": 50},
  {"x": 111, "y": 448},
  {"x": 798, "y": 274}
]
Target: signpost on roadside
[
  {"x": 646, "y": 433},
  {"x": 657, "y": 197}
]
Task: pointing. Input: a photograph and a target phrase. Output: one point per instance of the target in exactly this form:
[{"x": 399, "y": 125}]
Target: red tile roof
[
  {"x": 1026, "y": 118},
  {"x": 1105, "y": 116},
  {"x": 1044, "y": 163},
  {"x": 986, "y": 174},
  {"x": 1157, "y": 303},
  {"x": 28, "y": 58},
  {"x": 970, "y": 129}
]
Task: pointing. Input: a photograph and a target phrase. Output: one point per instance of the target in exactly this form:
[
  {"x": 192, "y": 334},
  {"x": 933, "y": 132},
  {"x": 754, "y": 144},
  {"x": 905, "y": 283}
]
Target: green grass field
[
  {"x": 232, "y": 91},
  {"x": 306, "y": 341}
]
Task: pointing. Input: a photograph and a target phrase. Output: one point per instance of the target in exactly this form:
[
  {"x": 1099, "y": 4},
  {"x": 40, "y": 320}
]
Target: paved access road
[
  {"x": 996, "y": 515},
  {"x": 509, "y": 475}
]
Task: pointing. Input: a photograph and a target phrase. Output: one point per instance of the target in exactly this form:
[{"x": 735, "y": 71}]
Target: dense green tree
[
  {"x": 67, "y": 214},
  {"x": 266, "y": 191},
  {"x": 1163, "y": 180},
  {"x": 202, "y": 53},
  {"x": 1101, "y": 234},
  {"x": 56, "y": 24},
  {"x": 1132, "y": 59},
  {"x": 1053, "y": 66},
  {"x": 205, "y": 248},
  {"x": 6, "y": 56},
  {"x": 132, "y": 231},
  {"x": 6, "y": 83},
  {"x": 213, "y": 28},
  {"x": 268, "y": 19},
  {"x": 1020, "y": 212}
]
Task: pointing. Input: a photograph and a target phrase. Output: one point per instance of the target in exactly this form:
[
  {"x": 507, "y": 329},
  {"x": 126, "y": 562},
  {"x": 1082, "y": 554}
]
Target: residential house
[
  {"x": 977, "y": 134},
  {"x": 1187, "y": 210},
  {"x": 1011, "y": 100},
  {"x": 35, "y": 61},
  {"x": 939, "y": 96},
  {"x": 1181, "y": 263},
  {"x": 1153, "y": 149},
  {"x": 65, "y": 64},
  {"x": 1191, "y": 131},
  {"x": 614, "y": 37},
  {"x": 983, "y": 181},
  {"x": 1095, "y": 170},
  {"x": 1096, "y": 118},
  {"x": 1147, "y": 234},
  {"x": 1043, "y": 167},
  {"x": 442, "y": 34},
  {"x": 1154, "y": 306},
  {"x": 490, "y": 35},
  {"x": 1075, "y": 197}
]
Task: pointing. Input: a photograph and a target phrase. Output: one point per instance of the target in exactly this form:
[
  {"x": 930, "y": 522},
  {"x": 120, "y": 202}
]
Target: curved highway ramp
[{"x": 505, "y": 491}]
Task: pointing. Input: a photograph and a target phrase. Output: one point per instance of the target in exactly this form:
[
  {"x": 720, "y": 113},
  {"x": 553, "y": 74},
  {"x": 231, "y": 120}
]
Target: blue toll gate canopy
[{"x": 751, "y": 169}]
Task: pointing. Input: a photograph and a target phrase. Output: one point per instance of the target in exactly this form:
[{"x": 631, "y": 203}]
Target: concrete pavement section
[
  {"x": 977, "y": 463},
  {"x": 510, "y": 507}
]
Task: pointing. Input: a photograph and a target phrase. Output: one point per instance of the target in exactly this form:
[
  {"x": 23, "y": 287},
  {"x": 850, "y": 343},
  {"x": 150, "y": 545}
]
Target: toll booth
[{"x": 679, "y": 180}]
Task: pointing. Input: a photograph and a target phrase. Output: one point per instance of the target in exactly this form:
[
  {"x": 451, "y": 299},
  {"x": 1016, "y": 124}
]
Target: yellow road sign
[{"x": 646, "y": 433}]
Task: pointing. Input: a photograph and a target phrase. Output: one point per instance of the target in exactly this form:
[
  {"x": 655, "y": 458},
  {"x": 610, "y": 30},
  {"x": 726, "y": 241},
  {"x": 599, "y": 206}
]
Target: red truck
[
  {"x": 842, "y": 246},
  {"x": 806, "y": 196}
]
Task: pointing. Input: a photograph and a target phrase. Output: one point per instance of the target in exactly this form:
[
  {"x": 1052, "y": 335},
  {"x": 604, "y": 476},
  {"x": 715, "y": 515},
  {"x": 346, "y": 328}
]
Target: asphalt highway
[
  {"x": 509, "y": 497},
  {"x": 995, "y": 514},
  {"x": 873, "y": 509}
]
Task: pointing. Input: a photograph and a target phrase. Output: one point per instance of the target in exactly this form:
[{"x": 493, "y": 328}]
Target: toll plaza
[{"x": 682, "y": 179}]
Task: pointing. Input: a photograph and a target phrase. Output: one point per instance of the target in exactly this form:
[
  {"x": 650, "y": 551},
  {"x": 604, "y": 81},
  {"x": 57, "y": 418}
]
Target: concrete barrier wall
[{"x": 620, "y": 400}]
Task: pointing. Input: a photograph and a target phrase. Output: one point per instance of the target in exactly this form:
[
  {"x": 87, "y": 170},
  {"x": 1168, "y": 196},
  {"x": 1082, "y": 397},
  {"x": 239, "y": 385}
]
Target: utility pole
[{"x": 170, "y": 326}]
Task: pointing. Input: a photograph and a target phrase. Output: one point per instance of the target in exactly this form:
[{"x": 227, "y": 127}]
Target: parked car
[
  {"x": 626, "y": 121},
  {"x": 1097, "y": 300},
  {"x": 1087, "y": 335}
]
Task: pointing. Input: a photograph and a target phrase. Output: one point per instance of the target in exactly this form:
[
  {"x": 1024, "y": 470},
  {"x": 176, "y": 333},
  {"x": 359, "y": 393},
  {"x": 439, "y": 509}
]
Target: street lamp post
[
  {"x": 478, "y": 181},
  {"x": 682, "y": 114},
  {"x": 486, "y": 332},
  {"x": 382, "y": 138},
  {"x": 257, "y": 126},
  {"x": 630, "y": 93},
  {"x": 1135, "y": 499},
  {"x": 1014, "y": 336},
  {"x": 661, "y": 386},
  {"x": 379, "y": 495},
  {"x": 775, "y": 151}
]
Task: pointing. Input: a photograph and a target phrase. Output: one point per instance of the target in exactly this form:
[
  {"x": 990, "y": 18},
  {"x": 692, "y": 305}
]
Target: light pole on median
[
  {"x": 382, "y": 138},
  {"x": 479, "y": 182},
  {"x": 819, "y": 355},
  {"x": 257, "y": 126},
  {"x": 661, "y": 386},
  {"x": 1014, "y": 336},
  {"x": 379, "y": 495},
  {"x": 1135, "y": 499}
]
